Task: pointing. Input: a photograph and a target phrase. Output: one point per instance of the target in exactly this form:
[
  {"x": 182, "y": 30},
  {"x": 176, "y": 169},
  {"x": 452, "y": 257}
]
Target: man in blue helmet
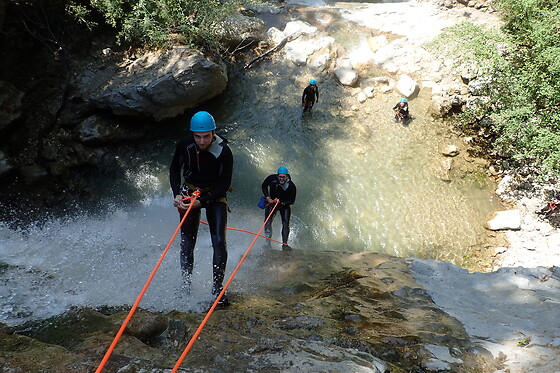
[
  {"x": 202, "y": 161},
  {"x": 279, "y": 187},
  {"x": 401, "y": 110},
  {"x": 310, "y": 96}
]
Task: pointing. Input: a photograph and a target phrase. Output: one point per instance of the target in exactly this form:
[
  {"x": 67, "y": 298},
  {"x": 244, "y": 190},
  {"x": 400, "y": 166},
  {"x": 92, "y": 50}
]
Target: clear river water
[{"x": 364, "y": 183}]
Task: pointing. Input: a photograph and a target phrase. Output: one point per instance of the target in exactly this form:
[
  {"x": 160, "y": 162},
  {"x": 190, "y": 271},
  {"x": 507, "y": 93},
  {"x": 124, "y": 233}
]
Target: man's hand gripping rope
[{"x": 182, "y": 203}]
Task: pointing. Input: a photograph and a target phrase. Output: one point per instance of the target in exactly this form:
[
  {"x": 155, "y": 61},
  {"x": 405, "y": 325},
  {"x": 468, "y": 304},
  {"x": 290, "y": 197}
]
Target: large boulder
[
  {"x": 299, "y": 50},
  {"x": 440, "y": 106},
  {"x": 504, "y": 220},
  {"x": 96, "y": 130},
  {"x": 240, "y": 31},
  {"x": 406, "y": 86},
  {"x": 347, "y": 77},
  {"x": 275, "y": 35},
  {"x": 299, "y": 27},
  {"x": 377, "y": 42},
  {"x": 163, "y": 85}
]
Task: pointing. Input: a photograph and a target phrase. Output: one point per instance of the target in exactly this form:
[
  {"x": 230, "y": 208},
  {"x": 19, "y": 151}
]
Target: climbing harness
[
  {"x": 194, "y": 196},
  {"x": 187, "y": 189}
]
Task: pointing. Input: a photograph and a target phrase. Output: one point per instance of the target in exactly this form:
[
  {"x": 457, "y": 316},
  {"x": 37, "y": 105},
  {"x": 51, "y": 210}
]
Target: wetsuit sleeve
[
  {"x": 175, "y": 171},
  {"x": 264, "y": 187},
  {"x": 317, "y": 88},
  {"x": 220, "y": 189},
  {"x": 303, "y": 96}
]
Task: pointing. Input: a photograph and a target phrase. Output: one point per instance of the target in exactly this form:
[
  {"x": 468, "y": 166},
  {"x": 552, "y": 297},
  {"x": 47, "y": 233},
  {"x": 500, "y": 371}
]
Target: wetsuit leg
[
  {"x": 189, "y": 231},
  {"x": 216, "y": 214},
  {"x": 308, "y": 106},
  {"x": 268, "y": 225},
  {"x": 285, "y": 214}
]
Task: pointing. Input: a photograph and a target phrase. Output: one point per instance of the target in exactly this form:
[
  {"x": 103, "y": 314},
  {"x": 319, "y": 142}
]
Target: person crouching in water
[
  {"x": 205, "y": 163},
  {"x": 401, "y": 110},
  {"x": 279, "y": 187},
  {"x": 310, "y": 96}
]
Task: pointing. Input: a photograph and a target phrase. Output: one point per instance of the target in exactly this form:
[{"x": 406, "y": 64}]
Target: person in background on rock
[
  {"x": 202, "y": 161},
  {"x": 279, "y": 187},
  {"x": 310, "y": 96},
  {"x": 401, "y": 110}
]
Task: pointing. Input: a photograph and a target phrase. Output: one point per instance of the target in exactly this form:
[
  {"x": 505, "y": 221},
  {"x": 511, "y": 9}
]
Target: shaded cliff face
[
  {"x": 308, "y": 311},
  {"x": 71, "y": 103},
  {"x": 37, "y": 67}
]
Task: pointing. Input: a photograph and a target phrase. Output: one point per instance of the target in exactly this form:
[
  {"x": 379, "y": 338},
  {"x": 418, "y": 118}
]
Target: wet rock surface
[
  {"x": 510, "y": 311},
  {"x": 312, "y": 312}
]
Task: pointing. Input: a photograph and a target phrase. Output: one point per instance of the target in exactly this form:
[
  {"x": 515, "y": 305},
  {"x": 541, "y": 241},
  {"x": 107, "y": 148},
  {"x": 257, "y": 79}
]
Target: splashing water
[{"x": 364, "y": 184}]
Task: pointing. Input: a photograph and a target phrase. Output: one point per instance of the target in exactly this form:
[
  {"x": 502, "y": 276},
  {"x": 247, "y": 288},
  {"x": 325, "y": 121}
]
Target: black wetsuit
[
  {"x": 402, "y": 111},
  {"x": 210, "y": 171},
  {"x": 309, "y": 96},
  {"x": 273, "y": 189}
]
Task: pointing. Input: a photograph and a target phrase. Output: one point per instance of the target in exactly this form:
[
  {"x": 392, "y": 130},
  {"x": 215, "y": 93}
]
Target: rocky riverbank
[{"x": 351, "y": 312}]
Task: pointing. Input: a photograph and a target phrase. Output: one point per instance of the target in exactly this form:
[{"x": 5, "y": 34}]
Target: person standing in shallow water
[
  {"x": 202, "y": 161},
  {"x": 401, "y": 110},
  {"x": 279, "y": 187},
  {"x": 310, "y": 96}
]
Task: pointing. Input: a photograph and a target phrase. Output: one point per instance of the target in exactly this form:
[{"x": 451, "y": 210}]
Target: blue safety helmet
[
  {"x": 202, "y": 122},
  {"x": 312, "y": 81},
  {"x": 403, "y": 99},
  {"x": 283, "y": 170}
]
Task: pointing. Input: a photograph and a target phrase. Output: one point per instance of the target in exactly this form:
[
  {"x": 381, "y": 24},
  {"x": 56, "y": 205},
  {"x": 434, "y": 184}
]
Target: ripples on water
[{"x": 364, "y": 182}]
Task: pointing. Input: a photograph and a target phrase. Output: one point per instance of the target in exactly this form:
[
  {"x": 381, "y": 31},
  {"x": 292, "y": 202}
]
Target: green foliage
[
  {"x": 471, "y": 43},
  {"x": 524, "y": 63},
  {"x": 81, "y": 14},
  {"x": 159, "y": 22},
  {"x": 530, "y": 122}
]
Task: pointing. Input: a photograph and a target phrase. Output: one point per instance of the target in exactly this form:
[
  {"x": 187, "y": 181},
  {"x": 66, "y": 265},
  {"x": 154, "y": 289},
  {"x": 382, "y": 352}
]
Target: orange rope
[
  {"x": 215, "y": 304},
  {"x": 243, "y": 230},
  {"x": 133, "y": 309}
]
